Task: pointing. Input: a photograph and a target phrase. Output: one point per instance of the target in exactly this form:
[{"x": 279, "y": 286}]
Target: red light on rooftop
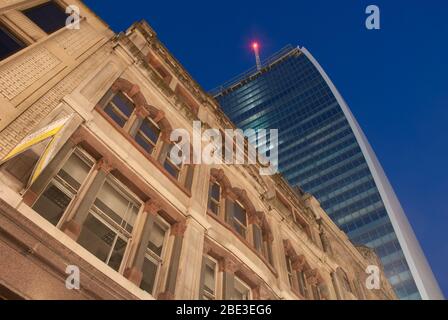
[{"x": 255, "y": 45}]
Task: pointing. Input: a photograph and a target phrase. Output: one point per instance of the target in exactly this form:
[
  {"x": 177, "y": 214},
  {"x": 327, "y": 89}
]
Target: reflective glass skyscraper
[{"x": 323, "y": 150}]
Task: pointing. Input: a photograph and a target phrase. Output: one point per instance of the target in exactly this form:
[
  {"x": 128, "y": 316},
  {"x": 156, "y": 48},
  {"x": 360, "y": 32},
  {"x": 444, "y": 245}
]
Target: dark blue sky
[{"x": 394, "y": 80}]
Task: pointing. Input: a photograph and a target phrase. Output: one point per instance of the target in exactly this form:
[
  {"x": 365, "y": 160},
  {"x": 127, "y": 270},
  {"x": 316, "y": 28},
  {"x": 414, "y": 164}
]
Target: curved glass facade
[{"x": 321, "y": 149}]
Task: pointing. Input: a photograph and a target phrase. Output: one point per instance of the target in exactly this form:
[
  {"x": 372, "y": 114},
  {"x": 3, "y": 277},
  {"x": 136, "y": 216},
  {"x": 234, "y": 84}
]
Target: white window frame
[
  {"x": 159, "y": 261},
  {"x": 234, "y": 219},
  {"x": 114, "y": 226},
  {"x": 216, "y": 202},
  {"x": 216, "y": 277},
  {"x": 88, "y": 159},
  {"x": 149, "y": 141},
  {"x": 245, "y": 285}
]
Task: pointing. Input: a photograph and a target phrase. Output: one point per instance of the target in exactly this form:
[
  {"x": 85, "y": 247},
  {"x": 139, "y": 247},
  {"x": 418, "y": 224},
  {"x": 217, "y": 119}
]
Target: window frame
[
  {"x": 84, "y": 156},
  {"x": 14, "y": 36},
  {"x": 235, "y": 220},
  {"x": 215, "y": 296},
  {"x": 346, "y": 282},
  {"x": 317, "y": 295},
  {"x": 43, "y": 3},
  {"x": 243, "y": 284},
  {"x": 261, "y": 246},
  {"x": 159, "y": 155},
  {"x": 109, "y": 223},
  {"x": 148, "y": 140},
  {"x": 167, "y": 160},
  {"x": 290, "y": 272},
  {"x": 108, "y": 101},
  {"x": 302, "y": 283},
  {"x": 217, "y": 202},
  {"x": 158, "y": 260}
]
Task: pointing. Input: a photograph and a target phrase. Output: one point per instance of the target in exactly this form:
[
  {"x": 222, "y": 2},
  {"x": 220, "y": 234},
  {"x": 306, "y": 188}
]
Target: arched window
[
  {"x": 297, "y": 267},
  {"x": 125, "y": 106},
  {"x": 214, "y": 198},
  {"x": 304, "y": 280},
  {"x": 223, "y": 277},
  {"x": 171, "y": 166},
  {"x": 146, "y": 133},
  {"x": 237, "y": 217},
  {"x": 144, "y": 125},
  {"x": 119, "y": 107},
  {"x": 182, "y": 172},
  {"x": 233, "y": 207}
]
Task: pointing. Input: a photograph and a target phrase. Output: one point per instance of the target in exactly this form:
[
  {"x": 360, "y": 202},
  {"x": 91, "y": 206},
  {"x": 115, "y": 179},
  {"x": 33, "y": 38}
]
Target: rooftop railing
[{"x": 287, "y": 50}]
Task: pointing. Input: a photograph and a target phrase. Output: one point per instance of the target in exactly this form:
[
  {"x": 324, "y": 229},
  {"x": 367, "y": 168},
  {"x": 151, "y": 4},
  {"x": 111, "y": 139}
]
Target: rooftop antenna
[{"x": 256, "y": 48}]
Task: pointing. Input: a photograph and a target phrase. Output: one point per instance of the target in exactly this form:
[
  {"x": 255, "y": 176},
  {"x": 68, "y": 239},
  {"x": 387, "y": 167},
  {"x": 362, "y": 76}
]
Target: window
[
  {"x": 283, "y": 204},
  {"x": 345, "y": 281},
  {"x": 119, "y": 108},
  {"x": 302, "y": 283},
  {"x": 154, "y": 256},
  {"x": 63, "y": 188},
  {"x": 9, "y": 43},
  {"x": 291, "y": 277},
  {"x": 170, "y": 166},
  {"x": 214, "y": 198},
  {"x": 241, "y": 290},
  {"x": 267, "y": 250},
  {"x": 186, "y": 98},
  {"x": 108, "y": 227},
  {"x": 239, "y": 222},
  {"x": 49, "y": 16},
  {"x": 258, "y": 239},
  {"x": 325, "y": 243},
  {"x": 147, "y": 135},
  {"x": 301, "y": 223},
  {"x": 209, "y": 291},
  {"x": 162, "y": 71},
  {"x": 316, "y": 292}
]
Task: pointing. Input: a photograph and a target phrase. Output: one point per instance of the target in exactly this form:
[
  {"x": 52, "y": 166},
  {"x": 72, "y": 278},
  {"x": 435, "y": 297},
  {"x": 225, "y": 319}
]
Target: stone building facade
[{"x": 86, "y": 180}]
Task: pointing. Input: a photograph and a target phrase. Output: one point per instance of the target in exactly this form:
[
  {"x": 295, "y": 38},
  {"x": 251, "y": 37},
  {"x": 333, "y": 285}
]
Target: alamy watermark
[
  {"x": 373, "y": 21},
  {"x": 74, "y": 18},
  {"x": 73, "y": 281},
  {"x": 373, "y": 281},
  {"x": 232, "y": 147}
]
